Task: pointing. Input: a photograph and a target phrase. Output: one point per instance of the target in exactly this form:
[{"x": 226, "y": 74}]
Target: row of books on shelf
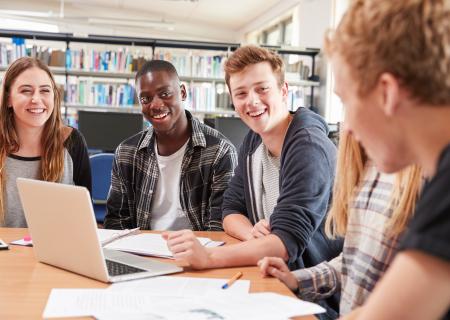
[
  {"x": 120, "y": 60},
  {"x": 189, "y": 64},
  {"x": 113, "y": 94},
  {"x": 10, "y": 52},
  {"x": 201, "y": 96},
  {"x": 86, "y": 60},
  {"x": 297, "y": 70}
]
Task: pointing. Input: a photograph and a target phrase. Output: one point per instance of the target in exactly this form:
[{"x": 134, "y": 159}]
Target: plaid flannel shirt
[
  {"x": 368, "y": 249},
  {"x": 207, "y": 166}
]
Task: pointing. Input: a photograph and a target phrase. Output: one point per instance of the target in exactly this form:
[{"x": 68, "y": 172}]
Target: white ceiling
[{"x": 219, "y": 20}]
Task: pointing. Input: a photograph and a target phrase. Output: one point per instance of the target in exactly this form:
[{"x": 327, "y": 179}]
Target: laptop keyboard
[{"x": 118, "y": 269}]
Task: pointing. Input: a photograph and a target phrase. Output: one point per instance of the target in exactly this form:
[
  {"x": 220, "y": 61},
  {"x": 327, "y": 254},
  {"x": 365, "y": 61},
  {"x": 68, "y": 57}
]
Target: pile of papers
[{"x": 167, "y": 298}]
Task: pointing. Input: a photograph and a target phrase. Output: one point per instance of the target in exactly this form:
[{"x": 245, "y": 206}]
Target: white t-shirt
[{"x": 167, "y": 213}]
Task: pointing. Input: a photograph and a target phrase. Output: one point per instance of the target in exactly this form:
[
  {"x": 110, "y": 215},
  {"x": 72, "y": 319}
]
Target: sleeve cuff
[
  {"x": 290, "y": 244},
  {"x": 317, "y": 283},
  {"x": 226, "y": 212},
  {"x": 427, "y": 245}
]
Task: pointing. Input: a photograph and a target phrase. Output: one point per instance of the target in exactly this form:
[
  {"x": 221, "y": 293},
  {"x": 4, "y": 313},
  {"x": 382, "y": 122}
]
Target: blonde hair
[
  {"x": 350, "y": 171},
  {"x": 409, "y": 39},
  {"x": 52, "y": 158},
  {"x": 249, "y": 55}
]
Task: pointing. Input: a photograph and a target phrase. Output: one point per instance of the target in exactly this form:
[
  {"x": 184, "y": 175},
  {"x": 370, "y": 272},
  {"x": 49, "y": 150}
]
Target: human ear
[
  {"x": 285, "y": 91},
  {"x": 183, "y": 92},
  {"x": 390, "y": 90}
]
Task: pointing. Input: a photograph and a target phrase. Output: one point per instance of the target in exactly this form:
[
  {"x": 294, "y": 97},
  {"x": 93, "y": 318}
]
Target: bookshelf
[
  {"x": 300, "y": 74},
  {"x": 97, "y": 72}
]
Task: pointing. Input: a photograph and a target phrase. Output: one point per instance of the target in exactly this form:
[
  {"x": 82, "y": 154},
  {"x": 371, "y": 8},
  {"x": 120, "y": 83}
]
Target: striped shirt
[
  {"x": 207, "y": 166},
  {"x": 266, "y": 170},
  {"x": 368, "y": 248}
]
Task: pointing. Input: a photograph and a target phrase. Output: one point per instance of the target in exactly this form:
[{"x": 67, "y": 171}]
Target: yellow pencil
[{"x": 232, "y": 280}]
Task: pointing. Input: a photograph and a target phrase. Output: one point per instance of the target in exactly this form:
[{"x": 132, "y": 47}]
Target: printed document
[{"x": 112, "y": 304}]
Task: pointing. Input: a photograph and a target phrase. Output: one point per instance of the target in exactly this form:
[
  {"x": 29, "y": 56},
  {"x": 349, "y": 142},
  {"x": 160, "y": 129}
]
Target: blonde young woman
[
  {"x": 371, "y": 211},
  {"x": 34, "y": 143}
]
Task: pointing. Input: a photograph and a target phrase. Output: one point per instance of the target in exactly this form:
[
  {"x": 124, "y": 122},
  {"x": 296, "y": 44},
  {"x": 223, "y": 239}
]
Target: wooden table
[{"x": 25, "y": 283}]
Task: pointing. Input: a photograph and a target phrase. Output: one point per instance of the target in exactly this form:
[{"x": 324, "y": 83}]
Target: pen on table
[{"x": 232, "y": 280}]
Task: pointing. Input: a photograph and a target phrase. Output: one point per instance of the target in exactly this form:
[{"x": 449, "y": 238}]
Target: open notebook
[{"x": 147, "y": 244}]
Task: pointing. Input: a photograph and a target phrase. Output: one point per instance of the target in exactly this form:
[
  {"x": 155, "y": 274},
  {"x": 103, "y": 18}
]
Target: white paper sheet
[
  {"x": 111, "y": 304},
  {"x": 89, "y": 302},
  {"x": 269, "y": 303},
  {"x": 150, "y": 244},
  {"x": 181, "y": 286}
]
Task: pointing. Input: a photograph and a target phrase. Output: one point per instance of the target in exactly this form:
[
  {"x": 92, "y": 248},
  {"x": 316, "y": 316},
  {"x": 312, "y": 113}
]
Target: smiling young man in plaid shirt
[{"x": 173, "y": 175}]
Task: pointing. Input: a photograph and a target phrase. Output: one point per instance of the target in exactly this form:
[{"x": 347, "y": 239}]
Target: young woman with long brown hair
[{"x": 34, "y": 142}]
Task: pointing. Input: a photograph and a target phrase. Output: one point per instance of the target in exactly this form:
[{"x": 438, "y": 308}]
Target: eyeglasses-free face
[
  {"x": 32, "y": 98},
  {"x": 258, "y": 98},
  {"x": 161, "y": 96}
]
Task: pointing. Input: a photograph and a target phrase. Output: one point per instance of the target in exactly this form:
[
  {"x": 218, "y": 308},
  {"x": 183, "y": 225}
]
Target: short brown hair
[
  {"x": 249, "y": 55},
  {"x": 409, "y": 39}
]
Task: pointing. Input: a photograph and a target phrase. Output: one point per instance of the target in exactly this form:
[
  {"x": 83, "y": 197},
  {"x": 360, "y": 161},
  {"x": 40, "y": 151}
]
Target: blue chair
[{"x": 101, "y": 167}]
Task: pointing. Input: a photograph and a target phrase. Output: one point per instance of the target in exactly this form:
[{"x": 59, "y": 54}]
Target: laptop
[{"x": 62, "y": 225}]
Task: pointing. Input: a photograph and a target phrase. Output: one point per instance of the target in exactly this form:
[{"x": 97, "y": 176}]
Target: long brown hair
[
  {"x": 351, "y": 163},
  {"x": 52, "y": 157}
]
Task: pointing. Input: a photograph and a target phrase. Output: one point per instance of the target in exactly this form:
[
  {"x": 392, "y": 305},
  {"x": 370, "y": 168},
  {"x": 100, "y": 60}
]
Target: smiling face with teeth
[
  {"x": 32, "y": 98},
  {"x": 258, "y": 98},
  {"x": 161, "y": 96}
]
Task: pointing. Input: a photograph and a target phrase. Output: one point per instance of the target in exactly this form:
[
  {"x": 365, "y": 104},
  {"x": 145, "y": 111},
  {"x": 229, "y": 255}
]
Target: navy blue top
[{"x": 307, "y": 171}]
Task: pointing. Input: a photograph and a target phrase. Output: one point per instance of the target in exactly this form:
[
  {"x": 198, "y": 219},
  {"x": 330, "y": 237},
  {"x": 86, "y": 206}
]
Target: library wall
[{"x": 314, "y": 19}]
